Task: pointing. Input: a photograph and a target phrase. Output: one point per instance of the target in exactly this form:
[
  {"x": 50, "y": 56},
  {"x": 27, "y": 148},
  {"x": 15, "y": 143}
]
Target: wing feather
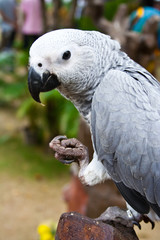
[{"x": 125, "y": 122}]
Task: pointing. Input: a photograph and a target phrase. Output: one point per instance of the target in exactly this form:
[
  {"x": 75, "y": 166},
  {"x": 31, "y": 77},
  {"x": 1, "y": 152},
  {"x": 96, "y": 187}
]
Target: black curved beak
[{"x": 38, "y": 84}]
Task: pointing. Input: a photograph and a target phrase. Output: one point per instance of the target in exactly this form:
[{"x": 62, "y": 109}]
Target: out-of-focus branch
[
  {"x": 139, "y": 47},
  {"x": 70, "y": 22},
  {"x": 44, "y": 15},
  {"x": 116, "y": 28},
  {"x": 56, "y": 9}
]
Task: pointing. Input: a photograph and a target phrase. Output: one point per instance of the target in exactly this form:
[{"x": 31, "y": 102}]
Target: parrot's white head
[{"x": 70, "y": 60}]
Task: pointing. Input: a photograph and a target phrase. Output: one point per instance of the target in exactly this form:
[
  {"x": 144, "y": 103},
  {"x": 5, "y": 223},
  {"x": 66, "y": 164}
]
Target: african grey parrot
[{"x": 121, "y": 102}]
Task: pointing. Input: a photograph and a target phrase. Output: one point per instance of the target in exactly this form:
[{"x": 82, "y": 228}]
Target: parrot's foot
[
  {"x": 138, "y": 218},
  {"x": 115, "y": 214},
  {"x": 147, "y": 220},
  {"x": 69, "y": 150}
]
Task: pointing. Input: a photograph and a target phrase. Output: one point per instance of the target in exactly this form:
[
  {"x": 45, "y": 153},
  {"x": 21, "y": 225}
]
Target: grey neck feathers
[
  {"x": 82, "y": 101},
  {"x": 109, "y": 59}
]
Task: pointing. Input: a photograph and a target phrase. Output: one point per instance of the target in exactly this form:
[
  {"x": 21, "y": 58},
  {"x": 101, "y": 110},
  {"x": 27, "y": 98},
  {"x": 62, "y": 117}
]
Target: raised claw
[
  {"x": 137, "y": 224},
  {"x": 68, "y": 150},
  {"x": 152, "y": 224},
  {"x": 66, "y": 161},
  {"x": 60, "y": 137},
  {"x": 147, "y": 219}
]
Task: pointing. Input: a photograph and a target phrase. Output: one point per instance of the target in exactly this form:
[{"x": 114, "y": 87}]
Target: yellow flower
[
  {"x": 43, "y": 229},
  {"x": 47, "y": 236},
  {"x": 47, "y": 230}
]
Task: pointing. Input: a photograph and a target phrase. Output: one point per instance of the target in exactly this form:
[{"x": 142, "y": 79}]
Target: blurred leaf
[
  {"x": 22, "y": 58},
  {"x": 7, "y": 60},
  {"x": 54, "y": 94},
  {"x": 86, "y": 23},
  {"x": 26, "y": 108},
  {"x": 10, "y": 91},
  {"x": 69, "y": 120},
  {"x": 4, "y": 139},
  {"x": 112, "y": 6}
]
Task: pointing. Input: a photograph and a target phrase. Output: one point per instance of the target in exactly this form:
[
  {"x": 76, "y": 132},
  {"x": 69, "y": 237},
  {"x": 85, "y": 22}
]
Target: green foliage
[
  {"x": 85, "y": 23},
  {"x": 4, "y": 139},
  {"x": 60, "y": 114},
  {"x": 28, "y": 161},
  {"x": 67, "y": 3},
  {"x": 7, "y": 61},
  {"x": 112, "y": 6},
  {"x": 11, "y": 91},
  {"x": 22, "y": 58},
  {"x": 69, "y": 121},
  {"x": 28, "y": 109}
]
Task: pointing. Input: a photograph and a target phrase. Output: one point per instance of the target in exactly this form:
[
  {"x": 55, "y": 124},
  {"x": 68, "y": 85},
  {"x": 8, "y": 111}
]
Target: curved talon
[
  {"x": 136, "y": 221},
  {"x": 147, "y": 219},
  {"x": 60, "y": 137},
  {"x": 152, "y": 224},
  {"x": 66, "y": 161},
  {"x": 137, "y": 224}
]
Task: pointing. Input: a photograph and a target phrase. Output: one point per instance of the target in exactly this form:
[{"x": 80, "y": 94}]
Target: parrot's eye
[
  {"x": 66, "y": 55},
  {"x": 39, "y": 64}
]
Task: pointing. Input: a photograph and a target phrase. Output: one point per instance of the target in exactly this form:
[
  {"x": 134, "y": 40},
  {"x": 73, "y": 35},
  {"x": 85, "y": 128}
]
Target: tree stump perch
[{"x": 74, "y": 226}]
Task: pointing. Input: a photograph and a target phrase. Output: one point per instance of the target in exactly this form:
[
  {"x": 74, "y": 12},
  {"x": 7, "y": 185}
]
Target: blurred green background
[
  {"x": 31, "y": 180},
  {"x": 35, "y": 125}
]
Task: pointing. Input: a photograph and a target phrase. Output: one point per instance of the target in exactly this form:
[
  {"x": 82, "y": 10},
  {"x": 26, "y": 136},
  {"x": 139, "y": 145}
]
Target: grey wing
[{"x": 125, "y": 122}]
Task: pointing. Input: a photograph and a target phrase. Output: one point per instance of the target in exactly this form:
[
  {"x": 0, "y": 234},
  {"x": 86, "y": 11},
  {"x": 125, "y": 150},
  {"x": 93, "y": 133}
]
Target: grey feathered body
[
  {"x": 126, "y": 133},
  {"x": 125, "y": 126},
  {"x": 121, "y": 102}
]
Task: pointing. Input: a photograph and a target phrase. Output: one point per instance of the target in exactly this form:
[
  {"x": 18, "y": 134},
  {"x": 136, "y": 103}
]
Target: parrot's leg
[
  {"x": 94, "y": 173},
  {"x": 115, "y": 214},
  {"x": 72, "y": 150}
]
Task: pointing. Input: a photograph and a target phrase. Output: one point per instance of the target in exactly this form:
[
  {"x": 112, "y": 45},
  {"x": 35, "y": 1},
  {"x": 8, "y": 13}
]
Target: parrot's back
[{"x": 125, "y": 122}]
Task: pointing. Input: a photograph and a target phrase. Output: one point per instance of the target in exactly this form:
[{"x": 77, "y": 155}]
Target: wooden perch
[{"x": 74, "y": 226}]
